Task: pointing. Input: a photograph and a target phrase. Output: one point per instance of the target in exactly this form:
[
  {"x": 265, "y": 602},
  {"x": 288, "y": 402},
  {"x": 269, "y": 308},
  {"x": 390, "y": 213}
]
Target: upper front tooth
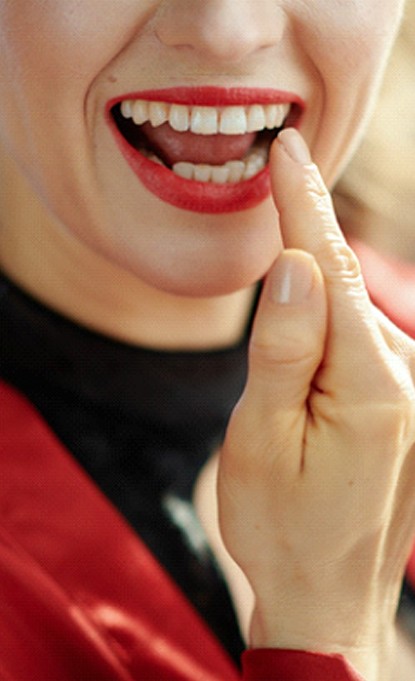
[
  {"x": 179, "y": 117},
  {"x": 158, "y": 113},
  {"x": 204, "y": 120},
  {"x": 271, "y": 116},
  {"x": 275, "y": 115},
  {"x": 255, "y": 118},
  {"x": 140, "y": 112},
  {"x": 127, "y": 108},
  {"x": 233, "y": 121}
]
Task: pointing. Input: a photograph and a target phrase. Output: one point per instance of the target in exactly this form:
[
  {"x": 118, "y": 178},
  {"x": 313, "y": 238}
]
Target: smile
[{"x": 203, "y": 149}]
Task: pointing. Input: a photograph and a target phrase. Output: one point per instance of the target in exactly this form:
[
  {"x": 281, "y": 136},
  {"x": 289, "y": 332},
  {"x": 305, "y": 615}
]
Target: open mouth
[
  {"x": 203, "y": 149},
  {"x": 203, "y": 143}
]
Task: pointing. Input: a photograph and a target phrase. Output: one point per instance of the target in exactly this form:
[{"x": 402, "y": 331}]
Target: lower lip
[{"x": 198, "y": 197}]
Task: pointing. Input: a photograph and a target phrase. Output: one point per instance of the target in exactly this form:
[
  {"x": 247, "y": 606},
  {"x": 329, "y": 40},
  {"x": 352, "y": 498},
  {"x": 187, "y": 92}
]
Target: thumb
[{"x": 288, "y": 336}]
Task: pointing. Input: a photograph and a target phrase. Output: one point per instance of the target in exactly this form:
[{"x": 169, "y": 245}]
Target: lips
[{"x": 202, "y": 149}]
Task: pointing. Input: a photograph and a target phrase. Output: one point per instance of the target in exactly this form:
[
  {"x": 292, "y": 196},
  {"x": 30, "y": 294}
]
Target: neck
[{"x": 62, "y": 273}]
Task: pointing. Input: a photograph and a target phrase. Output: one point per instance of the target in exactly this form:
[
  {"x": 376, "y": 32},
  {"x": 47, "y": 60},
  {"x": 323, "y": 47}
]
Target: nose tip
[{"x": 221, "y": 30}]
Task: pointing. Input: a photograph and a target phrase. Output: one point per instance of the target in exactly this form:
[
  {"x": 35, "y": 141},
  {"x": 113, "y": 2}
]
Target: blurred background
[{"x": 375, "y": 198}]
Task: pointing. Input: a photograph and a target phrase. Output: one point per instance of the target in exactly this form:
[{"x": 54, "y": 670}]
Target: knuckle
[
  {"x": 317, "y": 191},
  {"x": 320, "y": 199},
  {"x": 338, "y": 256},
  {"x": 341, "y": 261},
  {"x": 346, "y": 260}
]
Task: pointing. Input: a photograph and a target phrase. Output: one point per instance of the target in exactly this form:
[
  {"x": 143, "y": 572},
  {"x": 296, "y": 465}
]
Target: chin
[
  {"x": 203, "y": 278},
  {"x": 185, "y": 254}
]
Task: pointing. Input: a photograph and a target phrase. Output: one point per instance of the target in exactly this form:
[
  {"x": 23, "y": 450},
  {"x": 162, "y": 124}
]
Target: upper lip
[{"x": 213, "y": 96}]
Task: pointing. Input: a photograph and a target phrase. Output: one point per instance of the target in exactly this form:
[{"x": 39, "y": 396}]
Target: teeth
[
  {"x": 256, "y": 119},
  {"x": 207, "y": 120},
  {"x": 202, "y": 173},
  {"x": 158, "y": 113},
  {"x": 127, "y": 108},
  {"x": 204, "y": 120},
  {"x": 139, "y": 112},
  {"x": 184, "y": 169},
  {"x": 179, "y": 117},
  {"x": 273, "y": 116},
  {"x": 219, "y": 174},
  {"x": 236, "y": 170},
  {"x": 231, "y": 172},
  {"x": 254, "y": 164},
  {"x": 233, "y": 121}
]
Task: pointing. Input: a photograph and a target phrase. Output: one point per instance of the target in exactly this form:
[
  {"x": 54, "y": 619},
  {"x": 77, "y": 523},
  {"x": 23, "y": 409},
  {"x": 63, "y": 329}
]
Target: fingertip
[
  {"x": 294, "y": 145},
  {"x": 291, "y": 167},
  {"x": 300, "y": 194},
  {"x": 290, "y": 149}
]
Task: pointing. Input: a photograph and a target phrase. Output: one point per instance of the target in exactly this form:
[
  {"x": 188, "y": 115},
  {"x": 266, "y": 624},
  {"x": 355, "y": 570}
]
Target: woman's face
[{"x": 203, "y": 80}]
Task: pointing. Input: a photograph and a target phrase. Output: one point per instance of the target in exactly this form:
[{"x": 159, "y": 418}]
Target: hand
[{"x": 317, "y": 471}]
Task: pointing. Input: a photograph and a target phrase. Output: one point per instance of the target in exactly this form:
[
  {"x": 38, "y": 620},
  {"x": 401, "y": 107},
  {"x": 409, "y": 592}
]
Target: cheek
[
  {"x": 349, "y": 40},
  {"x": 67, "y": 40},
  {"x": 51, "y": 53}
]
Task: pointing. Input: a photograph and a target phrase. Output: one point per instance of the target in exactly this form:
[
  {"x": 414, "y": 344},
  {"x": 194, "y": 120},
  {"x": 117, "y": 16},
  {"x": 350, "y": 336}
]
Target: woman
[{"x": 142, "y": 204}]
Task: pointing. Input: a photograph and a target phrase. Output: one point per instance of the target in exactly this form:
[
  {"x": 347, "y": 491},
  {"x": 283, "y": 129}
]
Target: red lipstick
[{"x": 201, "y": 197}]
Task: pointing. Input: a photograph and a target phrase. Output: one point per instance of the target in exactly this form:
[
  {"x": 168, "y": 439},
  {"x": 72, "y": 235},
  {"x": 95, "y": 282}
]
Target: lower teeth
[{"x": 229, "y": 173}]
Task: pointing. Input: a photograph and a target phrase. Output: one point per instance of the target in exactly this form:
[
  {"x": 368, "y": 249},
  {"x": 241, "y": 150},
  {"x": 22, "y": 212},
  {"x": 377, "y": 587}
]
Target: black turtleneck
[{"x": 140, "y": 422}]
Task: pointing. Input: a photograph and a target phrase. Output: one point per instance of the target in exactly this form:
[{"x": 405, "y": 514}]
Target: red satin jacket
[{"x": 82, "y": 598}]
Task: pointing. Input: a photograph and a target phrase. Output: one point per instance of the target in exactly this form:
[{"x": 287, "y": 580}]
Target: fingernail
[
  {"x": 294, "y": 145},
  {"x": 292, "y": 279}
]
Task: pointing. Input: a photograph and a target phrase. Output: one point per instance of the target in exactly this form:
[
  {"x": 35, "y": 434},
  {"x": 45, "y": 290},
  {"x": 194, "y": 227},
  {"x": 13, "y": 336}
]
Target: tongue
[{"x": 174, "y": 146}]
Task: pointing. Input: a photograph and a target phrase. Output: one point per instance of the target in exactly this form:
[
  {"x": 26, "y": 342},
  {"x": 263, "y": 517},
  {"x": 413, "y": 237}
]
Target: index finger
[{"x": 355, "y": 345}]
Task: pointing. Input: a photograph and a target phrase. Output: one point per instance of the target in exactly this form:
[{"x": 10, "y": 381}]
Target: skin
[{"x": 329, "y": 400}]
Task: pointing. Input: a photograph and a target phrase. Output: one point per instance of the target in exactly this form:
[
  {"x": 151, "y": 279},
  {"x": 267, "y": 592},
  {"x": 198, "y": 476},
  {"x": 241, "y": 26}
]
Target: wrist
[{"x": 360, "y": 641}]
